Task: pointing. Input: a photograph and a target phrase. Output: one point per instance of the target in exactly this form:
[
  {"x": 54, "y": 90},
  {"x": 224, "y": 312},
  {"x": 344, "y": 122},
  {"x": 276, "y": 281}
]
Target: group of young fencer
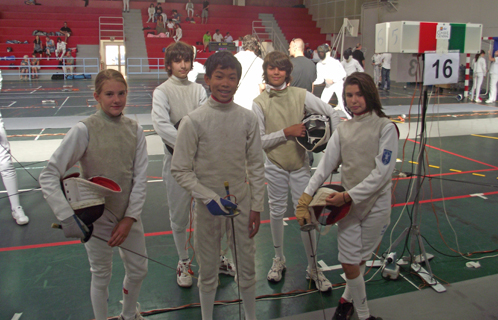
[{"x": 214, "y": 147}]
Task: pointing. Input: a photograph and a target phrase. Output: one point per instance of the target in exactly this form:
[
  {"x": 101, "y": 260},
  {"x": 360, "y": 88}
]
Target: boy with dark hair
[
  {"x": 219, "y": 142},
  {"x": 172, "y": 100},
  {"x": 280, "y": 110}
]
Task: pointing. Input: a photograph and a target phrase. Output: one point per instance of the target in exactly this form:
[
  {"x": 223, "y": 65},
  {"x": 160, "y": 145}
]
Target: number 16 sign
[{"x": 441, "y": 68}]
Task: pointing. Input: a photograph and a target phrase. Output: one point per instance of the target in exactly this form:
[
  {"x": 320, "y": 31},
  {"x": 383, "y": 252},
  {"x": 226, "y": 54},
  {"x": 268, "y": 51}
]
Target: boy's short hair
[
  {"x": 225, "y": 60},
  {"x": 176, "y": 52},
  {"x": 280, "y": 60}
]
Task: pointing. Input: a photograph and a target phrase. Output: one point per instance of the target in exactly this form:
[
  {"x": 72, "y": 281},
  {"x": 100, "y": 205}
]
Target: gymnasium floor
[{"x": 45, "y": 276}]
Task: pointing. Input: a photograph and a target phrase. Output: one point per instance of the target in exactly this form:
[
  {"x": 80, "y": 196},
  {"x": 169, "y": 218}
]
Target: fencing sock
[
  {"x": 249, "y": 299},
  {"x": 10, "y": 183},
  {"x": 277, "y": 233},
  {"x": 347, "y": 293},
  {"x": 131, "y": 290},
  {"x": 310, "y": 248},
  {"x": 359, "y": 294},
  {"x": 180, "y": 238},
  {"x": 207, "y": 304},
  {"x": 99, "y": 293}
]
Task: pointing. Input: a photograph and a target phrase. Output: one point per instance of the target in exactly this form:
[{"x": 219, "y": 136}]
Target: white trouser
[
  {"x": 358, "y": 237},
  {"x": 100, "y": 258},
  {"x": 151, "y": 17},
  {"x": 337, "y": 88},
  {"x": 177, "y": 197},
  {"x": 208, "y": 233},
  {"x": 492, "y": 86},
  {"x": 7, "y": 170},
  {"x": 476, "y": 87},
  {"x": 377, "y": 73},
  {"x": 189, "y": 11},
  {"x": 177, "y": 38},
  {"x": 126, "y": 5}
]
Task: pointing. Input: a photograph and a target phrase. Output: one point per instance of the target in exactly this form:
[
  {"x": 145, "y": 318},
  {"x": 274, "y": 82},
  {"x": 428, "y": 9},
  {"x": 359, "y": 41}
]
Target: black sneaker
[
  {"x": 344, "y": 310},
  {"x": 374, "y": 318}
]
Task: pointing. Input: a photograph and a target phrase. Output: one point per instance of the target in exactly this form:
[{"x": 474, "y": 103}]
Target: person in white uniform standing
[
  {"x": 219, "y": 143},
  {"x": 252, "y": 72},
  {"x": 350, "y": 64},
  {"x": 367, "y": 147},
  {"x": 376, "y": 63},
  {"x": 493, "y": 79},
  {"x": 172, "y": 100},
  {"x": 280, "y": 110},
  {"x": 9, "y": 177},
  {"x": 330, "y": 71},
  {"x": 106, "y": 144},
  {"x": 479, "y": 72},
  {"x": 126, "y": 5}
]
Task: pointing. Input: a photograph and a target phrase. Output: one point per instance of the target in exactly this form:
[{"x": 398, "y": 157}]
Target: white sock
[
  {"x": 99, "y": 293},
  {"x": 180, "y": 238},
  {"x": 248, "y": 296},
  {"x": 347, "y": 293},
  {"x": 359, "y": 294},
  {"x": 277, "y": 233},
  {"x": 131, "y": 290},
  {"x": 207, "y": 304},
  {"x": 10, "y": 183},
  {"x": 310, "y": 248}
]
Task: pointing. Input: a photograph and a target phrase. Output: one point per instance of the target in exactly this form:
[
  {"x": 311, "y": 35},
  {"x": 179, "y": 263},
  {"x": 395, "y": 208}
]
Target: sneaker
[
  {"x": 490, "y": 101},
  {"x": 321, "y": 282},
  {"x": 344, "y": 310},
  {"x": 19, "y": 216},
  {"x": 278, "y": 267},
  {"x": 226, "y": 267},
  {"x": 478, "y": 100},
  {"x": 184, "y": 274},
  {"x": 138, "y": 316}
]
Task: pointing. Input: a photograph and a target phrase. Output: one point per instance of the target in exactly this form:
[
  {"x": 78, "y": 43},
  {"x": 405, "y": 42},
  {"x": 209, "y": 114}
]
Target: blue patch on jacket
[{"x": 386, "y": 156}]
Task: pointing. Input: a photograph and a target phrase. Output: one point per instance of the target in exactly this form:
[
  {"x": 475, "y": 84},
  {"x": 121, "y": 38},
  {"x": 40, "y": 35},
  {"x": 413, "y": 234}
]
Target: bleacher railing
[
  {"x": 268, "y": 32},
  {"x": 86, "y": 66},
  {"x": 147, "y": 66},
  {"x": 111, "y": 28}
]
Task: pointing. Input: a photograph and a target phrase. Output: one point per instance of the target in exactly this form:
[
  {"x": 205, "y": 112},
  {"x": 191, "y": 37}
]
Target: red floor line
[
  {"x": 452, "y": 153},
  {"x": 153, "y": 234}
]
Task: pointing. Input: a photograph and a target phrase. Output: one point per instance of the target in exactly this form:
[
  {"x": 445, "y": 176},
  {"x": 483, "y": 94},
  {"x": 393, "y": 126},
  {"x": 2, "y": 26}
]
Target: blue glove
[{"x": 221, "y": 207}]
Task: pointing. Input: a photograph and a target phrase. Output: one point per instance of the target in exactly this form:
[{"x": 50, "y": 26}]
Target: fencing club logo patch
[{"x": 386, "y": 156}]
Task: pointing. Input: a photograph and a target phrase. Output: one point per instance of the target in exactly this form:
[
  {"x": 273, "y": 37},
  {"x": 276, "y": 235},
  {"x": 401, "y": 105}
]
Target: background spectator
[
  {"x": 217, "y": 36},
  {"x": 178, "y": 33},
  {"x": 359, "y": 56},
  {"x": 206, "y": 39},
  {"x": 190, "y": 8},
  {"x": 66, "y": 31},
  {"x": 61, "y": 48},
  {"x": 68, "y": 63},
  {"x": 160, "y": 28},
  {"x": 49, "y": 47},
  {"x": 35, "y": 66},
  {"x": 228, "y": 37},
  {"x": 176, "y": 17},
  {"x": 126, "y": 5},
  {"x": 37, "y": 46},
  {"x": 159, "y": 10},
  {"x": 171, "y": 27},
  {"x": 152, "y": 13},
  {"x": 205, "y": 12},
  {"x": 25, "y": 68}
]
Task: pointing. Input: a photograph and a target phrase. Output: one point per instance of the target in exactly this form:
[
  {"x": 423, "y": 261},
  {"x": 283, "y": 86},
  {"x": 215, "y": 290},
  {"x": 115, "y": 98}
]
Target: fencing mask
[
  {"x": 318, "y": 132},
  {"x": 318, "y": 204}
]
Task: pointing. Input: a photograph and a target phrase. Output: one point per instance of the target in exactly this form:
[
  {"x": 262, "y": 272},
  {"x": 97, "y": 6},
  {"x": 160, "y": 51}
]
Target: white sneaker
[
  {"x": 138, "y": 316},
  {"x": 278, "y": 267},
  {"x": 226, "y": 266},
  {"x": 490, "y": 101},
  {"x": 19, "y": 216},
  {"x": 321, "y": 282},
  {"x": 184, "y": 274},
  {"x": 478, "y": 100}
]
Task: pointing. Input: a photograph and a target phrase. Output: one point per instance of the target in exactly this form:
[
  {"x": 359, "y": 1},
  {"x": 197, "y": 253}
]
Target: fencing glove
[
  {"x": 302, "y": 210},
  {"x": 73, "y": 227},
  {"x": 221, "y": 207}
]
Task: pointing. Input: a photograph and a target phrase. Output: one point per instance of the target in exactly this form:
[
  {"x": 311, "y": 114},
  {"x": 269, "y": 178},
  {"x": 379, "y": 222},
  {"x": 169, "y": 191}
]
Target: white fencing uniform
[
  {"x": 330, "y": 68},
  {"x": 197, "y": 69},
  {"x": 493, "y": 80},
  {"x": 280, "y": 176},
  {"x": 220, "y": 142},
  {"x": 351, "y": 66},
  {"x": 252, "y": 76},
  {"x": 479, "y": 72},
  {"x": 126, "y": 5},
  {"x": 172, "y": 100},
  {"x": 7, "y": 169},
  {"x": 361, "y": 231},
  {"x": 377, "y": 61},
  {"x": 104, "y": 146}
]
